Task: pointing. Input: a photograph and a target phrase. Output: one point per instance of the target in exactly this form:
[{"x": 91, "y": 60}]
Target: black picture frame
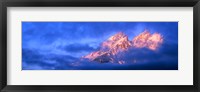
[{"x": 99, "y": 3}]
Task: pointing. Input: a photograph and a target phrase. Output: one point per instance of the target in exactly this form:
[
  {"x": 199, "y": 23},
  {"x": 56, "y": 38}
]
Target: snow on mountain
[
  {"x": 112, "y": 50},
  {"x": 145, "y": 39}
]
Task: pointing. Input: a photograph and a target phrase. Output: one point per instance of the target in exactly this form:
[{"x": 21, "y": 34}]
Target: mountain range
[{"x": 115, "y": 48}]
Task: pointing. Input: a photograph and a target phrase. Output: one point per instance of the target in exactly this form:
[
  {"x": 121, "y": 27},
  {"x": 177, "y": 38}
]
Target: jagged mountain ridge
[
  {"x": 150, "y": 41},
  {"x": 113, "y": 49}
]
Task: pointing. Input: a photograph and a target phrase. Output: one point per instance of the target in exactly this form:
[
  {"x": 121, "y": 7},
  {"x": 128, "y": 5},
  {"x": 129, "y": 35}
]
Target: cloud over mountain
[{"x": 117, "y": 46}]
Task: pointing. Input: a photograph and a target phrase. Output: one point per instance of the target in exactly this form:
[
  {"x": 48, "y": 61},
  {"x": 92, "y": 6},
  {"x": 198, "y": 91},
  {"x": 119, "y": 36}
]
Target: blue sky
[{"x": 53, "y": 45}]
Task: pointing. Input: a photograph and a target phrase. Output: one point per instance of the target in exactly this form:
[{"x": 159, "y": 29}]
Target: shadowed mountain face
[{"x": 114, "y": 49}]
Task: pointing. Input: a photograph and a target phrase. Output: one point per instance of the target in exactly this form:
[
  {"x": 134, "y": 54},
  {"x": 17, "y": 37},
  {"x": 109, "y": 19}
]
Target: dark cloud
[
  {"x": 33, "y": 60},
  {"x": 146, "y": 60},
  {"x": 78, "y": 48}
]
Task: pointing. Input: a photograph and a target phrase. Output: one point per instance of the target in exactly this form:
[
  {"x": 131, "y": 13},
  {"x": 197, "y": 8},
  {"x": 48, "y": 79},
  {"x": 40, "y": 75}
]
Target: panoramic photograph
[{"x": 99, "y": 45}]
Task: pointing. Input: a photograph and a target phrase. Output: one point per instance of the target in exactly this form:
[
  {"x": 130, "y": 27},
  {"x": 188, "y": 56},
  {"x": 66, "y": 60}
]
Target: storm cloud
[{"x": 60, "y": 45}]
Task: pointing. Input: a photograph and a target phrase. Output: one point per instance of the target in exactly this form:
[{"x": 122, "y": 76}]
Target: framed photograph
[{"x": 85, "y": 45}]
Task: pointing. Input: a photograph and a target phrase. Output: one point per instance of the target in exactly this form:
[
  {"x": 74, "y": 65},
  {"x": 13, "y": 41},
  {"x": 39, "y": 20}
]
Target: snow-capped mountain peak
[{"x": 119, "y": 43}]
